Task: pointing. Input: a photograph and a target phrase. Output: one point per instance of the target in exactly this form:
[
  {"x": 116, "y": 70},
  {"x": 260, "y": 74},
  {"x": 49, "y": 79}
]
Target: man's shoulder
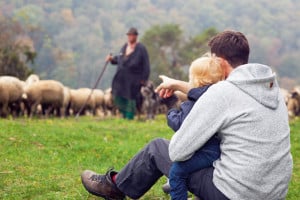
[
  {"x": 141, "y": 46},
  {"x": 221, "y": 91}
]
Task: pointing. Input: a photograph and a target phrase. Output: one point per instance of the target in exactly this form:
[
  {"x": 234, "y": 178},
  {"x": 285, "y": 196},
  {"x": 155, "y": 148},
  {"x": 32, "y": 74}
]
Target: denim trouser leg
[
  {"x": 180, "y": 171},
  {"x": 153, "y": 161}
]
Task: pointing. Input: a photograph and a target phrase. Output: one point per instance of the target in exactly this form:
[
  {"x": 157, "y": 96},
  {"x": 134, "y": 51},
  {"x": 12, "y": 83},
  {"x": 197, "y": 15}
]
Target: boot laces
[{"x": 98, "y": 178}]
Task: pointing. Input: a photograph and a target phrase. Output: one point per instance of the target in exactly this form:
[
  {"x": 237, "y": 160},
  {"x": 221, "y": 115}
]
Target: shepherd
[{"x": 132, "y": 72}]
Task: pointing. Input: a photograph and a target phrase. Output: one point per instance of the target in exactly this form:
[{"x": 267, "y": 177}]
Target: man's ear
[{"x": 226, "y": 66}]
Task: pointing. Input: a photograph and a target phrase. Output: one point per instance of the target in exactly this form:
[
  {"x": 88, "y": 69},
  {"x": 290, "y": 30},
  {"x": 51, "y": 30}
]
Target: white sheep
[
  {"x": 79, "y": 98},
  {"x": 109, "y": 107},
  {"x": 32, "y": 79},
  {"x": 11, "y": 90},
  {"x": 48, "y": 93},
  {"x": 99, "y": 101},
  {"x": 67, "y": 100}
]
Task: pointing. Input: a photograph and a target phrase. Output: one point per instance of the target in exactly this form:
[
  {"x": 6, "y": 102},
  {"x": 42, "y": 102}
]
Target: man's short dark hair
[{"x": 232, "y": 46}]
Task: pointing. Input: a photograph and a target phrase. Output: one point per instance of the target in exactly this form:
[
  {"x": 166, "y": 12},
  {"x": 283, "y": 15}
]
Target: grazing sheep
[
  {"x": 48, "y": 93},
  {"x": 11, "y": 90},
  {"x": 79, "y": 98},
  {"x": 32, "y": 79},
  {"x": 150, "y": 100},
  {"x": 67, "y": 100},
  {"x": 99, "y": 102},
  {"x": 293, "y": 104},
  {"x": 109, "y": 107}
]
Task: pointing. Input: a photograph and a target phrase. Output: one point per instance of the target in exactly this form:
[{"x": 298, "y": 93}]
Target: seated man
[{"x": 248, "y": 113}]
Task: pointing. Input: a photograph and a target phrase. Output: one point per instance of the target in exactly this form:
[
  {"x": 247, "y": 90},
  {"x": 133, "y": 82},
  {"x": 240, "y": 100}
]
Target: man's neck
[
  {"x": 227, "y": 67},
  {"x": 132, "y": 43}
]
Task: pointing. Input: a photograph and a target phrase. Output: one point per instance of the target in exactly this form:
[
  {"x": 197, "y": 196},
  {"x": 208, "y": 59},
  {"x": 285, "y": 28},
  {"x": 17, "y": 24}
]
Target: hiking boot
[{"x": 101, "y": 185}]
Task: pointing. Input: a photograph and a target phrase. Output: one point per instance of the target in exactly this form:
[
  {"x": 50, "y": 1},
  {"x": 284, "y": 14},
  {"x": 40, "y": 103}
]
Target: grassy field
[{"x": 43, "y": 158}]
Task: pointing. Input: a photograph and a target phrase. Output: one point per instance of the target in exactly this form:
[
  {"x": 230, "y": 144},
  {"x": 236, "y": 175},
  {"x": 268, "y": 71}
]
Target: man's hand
[{"x": 108, "y": 58}]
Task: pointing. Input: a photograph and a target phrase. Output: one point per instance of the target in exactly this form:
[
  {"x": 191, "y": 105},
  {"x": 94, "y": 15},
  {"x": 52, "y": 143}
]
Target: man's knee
[
  {"x": 158, "y": 141},
  {"x": 158, "y": 144}
]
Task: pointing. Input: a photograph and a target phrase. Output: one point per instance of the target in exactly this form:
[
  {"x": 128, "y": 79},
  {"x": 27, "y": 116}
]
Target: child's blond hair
[{"x": 206, "y": 70}]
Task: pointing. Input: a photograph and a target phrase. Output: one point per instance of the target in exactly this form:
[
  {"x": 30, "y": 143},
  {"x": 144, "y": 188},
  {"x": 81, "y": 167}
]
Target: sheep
[
  {"x": 67, "y": 100},
  {"x": 109, "y": 107},
  {"x": 79, "y": 98},
  {"x": 150, "y": 100},
  {"x": 293, "y": 104},
  {"x": 48, "y": 93},
  {"x": 32, "y": 79},
  {"x": 11, "y": 90},
  {"x": 99, "y": 101}
]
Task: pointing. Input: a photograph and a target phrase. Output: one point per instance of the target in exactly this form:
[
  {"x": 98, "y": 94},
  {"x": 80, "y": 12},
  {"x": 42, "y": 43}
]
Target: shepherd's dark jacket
[{"x": 132, "y": 71}]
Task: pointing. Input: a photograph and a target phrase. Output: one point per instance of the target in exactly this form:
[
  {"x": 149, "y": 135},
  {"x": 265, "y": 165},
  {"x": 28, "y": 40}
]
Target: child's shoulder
[{"x": 196, "y": 93}]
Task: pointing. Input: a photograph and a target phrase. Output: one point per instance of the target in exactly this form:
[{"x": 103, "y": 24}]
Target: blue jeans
[{"x": 180, "y": 171}]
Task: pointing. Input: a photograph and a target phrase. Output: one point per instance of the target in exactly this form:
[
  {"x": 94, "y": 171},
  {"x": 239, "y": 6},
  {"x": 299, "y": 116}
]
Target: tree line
[{"x": 71, "y": 38}]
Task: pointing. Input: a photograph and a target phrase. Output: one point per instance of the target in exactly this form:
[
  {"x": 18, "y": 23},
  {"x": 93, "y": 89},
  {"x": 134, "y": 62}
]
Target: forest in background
[{"x": 72, "y": 37}]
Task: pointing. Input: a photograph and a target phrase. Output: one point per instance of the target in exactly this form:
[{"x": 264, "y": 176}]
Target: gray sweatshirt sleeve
[{"x": 205, "y": 119}]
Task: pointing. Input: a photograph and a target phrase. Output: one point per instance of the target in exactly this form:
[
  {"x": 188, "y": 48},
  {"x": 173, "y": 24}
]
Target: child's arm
[
  {"x": 181, "y": 96},
  {"x": 169, "y": 85},
  {"x": 175, "y": 117}
]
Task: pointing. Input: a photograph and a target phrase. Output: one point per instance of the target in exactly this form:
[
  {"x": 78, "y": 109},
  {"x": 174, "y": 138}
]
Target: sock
[{"x": 114, "y": 177}]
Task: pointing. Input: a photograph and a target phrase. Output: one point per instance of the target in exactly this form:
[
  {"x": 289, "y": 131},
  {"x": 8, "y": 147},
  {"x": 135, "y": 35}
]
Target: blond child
[{"x": 203, "y": 72}]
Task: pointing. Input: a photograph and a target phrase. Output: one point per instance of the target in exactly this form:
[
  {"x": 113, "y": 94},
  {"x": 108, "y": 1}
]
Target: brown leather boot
[{"x": 101, "y": 185}]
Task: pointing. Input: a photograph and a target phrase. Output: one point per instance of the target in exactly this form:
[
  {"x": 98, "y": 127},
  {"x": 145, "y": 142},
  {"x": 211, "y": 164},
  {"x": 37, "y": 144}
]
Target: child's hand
[{"x": 165, "y": 89}]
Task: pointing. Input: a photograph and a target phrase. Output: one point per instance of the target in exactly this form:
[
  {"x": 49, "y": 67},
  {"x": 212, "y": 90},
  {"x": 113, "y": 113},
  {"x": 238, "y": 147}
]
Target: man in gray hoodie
[{"x": 248, "y": 113}]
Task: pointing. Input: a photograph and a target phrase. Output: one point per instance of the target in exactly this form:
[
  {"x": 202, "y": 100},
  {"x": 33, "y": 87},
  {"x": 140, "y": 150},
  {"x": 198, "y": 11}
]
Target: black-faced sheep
[
  {"x": 294, "y": 103},
  {"x": 149, "y": 101}
]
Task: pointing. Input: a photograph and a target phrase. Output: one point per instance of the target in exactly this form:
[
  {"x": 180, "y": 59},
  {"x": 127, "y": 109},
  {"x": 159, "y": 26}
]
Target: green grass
[
  {"x": 43, "y": 159},
  {"x": 294, "y": 188}
]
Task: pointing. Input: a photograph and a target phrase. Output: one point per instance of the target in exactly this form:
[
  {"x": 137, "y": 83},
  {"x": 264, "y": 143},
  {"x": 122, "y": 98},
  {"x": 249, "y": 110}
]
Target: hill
[{"x": 73, "y": 37}]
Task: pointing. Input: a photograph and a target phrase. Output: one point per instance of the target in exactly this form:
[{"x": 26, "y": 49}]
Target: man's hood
[{"x": 258, "y": 81}]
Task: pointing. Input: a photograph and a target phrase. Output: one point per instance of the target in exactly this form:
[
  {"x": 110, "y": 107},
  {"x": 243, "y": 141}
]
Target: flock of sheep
[{"x": 50, "y": 97}]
